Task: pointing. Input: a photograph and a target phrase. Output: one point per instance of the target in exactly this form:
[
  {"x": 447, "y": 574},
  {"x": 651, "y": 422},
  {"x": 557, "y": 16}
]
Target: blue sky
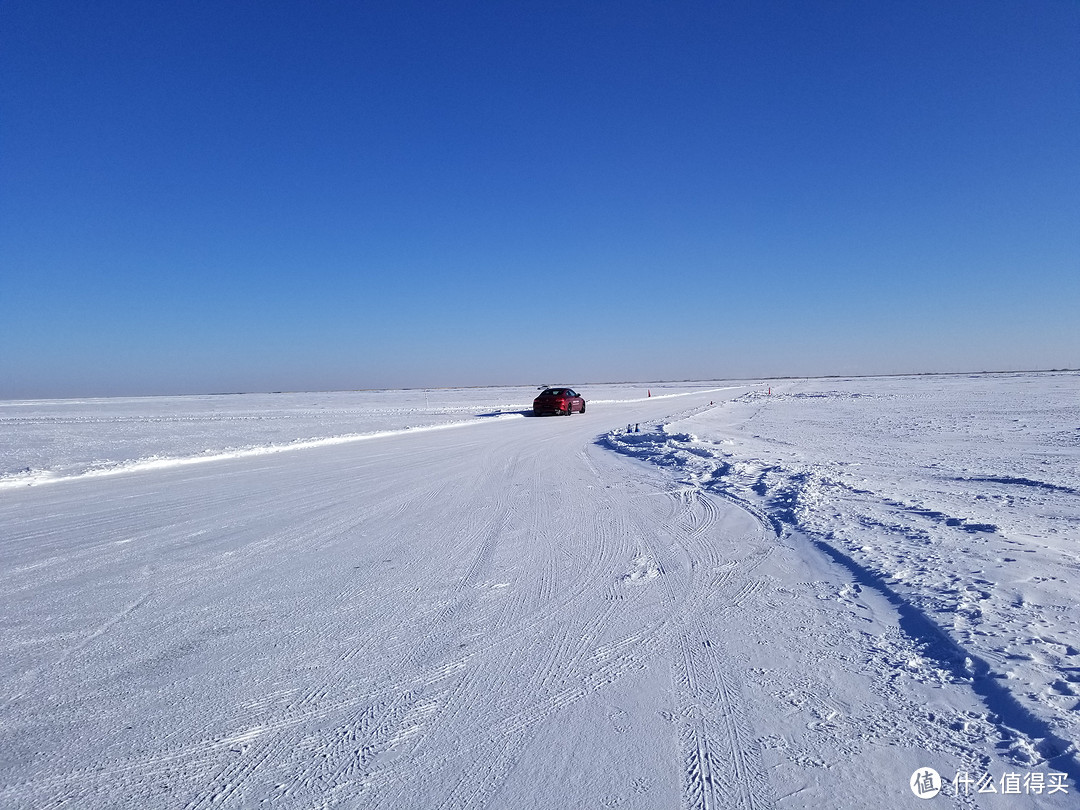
[{"x": 249, "y": 196}]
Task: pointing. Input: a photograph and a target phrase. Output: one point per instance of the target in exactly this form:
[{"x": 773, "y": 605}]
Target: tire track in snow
[
  {"x": 578, "y": 665},
  {"x": 381, "y": 777},
  {"x": 722, "y": 766},
  {"x": 591, "y": 667},
  {"x": 698, "y": 786},
  {"x": 353, "y": 722},
  {"x": 378, "y": 719},
  {"x": 103, "y": 628},
  {"x": 527, "y": 632}
]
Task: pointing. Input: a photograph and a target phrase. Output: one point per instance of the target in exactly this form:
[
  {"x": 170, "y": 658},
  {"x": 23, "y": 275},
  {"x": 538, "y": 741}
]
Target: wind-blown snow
[{"x": 792, "y": 599}]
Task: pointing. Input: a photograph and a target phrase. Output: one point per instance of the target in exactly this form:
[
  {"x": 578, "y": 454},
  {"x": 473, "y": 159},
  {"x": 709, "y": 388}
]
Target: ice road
[{"x": 534, "y": 612}]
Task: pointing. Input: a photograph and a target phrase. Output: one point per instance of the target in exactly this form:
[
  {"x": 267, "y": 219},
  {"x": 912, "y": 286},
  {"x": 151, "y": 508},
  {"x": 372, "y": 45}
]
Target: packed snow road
[{"x": 503, "y": 615}]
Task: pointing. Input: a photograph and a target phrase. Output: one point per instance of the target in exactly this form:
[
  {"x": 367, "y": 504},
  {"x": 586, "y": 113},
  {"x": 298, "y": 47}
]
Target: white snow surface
[
  {"x": 43, "y": 441},
  {"x": 786, "y": 594}
]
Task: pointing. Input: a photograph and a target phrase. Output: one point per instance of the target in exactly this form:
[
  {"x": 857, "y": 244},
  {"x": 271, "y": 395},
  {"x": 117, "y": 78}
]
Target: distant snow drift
[{"x": 29, "y": 476}]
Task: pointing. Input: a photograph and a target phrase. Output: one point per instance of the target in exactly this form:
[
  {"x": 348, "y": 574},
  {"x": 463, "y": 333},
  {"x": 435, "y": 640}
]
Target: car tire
[{"x": 583, "y": 407}]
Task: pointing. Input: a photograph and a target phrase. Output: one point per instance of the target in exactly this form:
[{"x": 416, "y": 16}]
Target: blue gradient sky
[{"x": 249, "y": 196}]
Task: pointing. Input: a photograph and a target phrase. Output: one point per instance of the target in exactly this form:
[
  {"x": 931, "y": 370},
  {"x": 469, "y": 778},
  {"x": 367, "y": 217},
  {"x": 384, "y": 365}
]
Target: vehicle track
[{"x": 410, "y": 596}]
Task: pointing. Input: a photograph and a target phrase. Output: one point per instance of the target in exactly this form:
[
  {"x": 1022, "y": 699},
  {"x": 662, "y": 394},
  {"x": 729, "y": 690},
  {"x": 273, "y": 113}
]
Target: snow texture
[{"x": 789, "y": 594}]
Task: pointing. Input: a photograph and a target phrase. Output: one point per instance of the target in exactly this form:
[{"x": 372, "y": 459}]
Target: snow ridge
[
  {"x": 893, "y": 544},
  {"x": 31, "y": 477}
]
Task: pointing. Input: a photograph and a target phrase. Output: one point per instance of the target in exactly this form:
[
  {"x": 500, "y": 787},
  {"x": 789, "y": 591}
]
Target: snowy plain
[
  {"x": 786, "y": 594},
  {"x": 58, "y": 439}
]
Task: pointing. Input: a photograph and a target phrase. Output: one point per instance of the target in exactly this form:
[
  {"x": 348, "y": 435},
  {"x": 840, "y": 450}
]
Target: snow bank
[{"x": 958, "y": 497}]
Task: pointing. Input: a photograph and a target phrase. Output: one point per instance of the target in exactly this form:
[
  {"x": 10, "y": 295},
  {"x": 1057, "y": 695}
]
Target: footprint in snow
[{"x": 645, "y": 569}]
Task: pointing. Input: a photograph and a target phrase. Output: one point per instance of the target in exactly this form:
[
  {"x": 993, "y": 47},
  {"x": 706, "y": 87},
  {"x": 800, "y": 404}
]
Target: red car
[{"x": 558, "y": 400}]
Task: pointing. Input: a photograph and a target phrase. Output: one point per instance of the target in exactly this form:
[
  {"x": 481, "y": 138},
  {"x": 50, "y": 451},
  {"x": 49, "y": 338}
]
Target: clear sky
[{"x": 207, "y": 196}]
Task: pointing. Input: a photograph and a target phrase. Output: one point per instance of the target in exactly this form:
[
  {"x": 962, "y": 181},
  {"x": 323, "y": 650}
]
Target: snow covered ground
[
  {"x": 49, "y": 440},
  {"x": 795, "y": 598},
  {"x": 955, "y": 497}
]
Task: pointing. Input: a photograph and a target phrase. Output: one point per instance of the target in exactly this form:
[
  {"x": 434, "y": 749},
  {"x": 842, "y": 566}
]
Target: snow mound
[{"x": 954, "y": 497}]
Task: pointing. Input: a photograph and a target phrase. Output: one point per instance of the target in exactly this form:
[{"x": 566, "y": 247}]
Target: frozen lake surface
[
  {"x": 49, "y": 440},
  {"x": 787, "y": 594}
]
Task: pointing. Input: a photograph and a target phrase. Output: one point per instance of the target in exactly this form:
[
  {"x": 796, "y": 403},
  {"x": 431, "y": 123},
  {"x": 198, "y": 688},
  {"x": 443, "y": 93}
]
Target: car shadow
[{"x": 503, "y": 413}]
